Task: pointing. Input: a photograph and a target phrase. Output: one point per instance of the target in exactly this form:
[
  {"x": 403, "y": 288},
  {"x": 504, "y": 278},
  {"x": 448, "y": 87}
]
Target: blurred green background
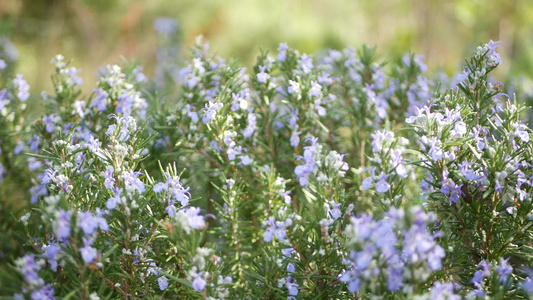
[{"x": 98, "y": 32}]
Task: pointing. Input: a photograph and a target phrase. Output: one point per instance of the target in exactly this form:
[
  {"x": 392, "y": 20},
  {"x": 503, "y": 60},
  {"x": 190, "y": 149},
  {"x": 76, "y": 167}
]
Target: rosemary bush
[{"x": 306, "y": 177}]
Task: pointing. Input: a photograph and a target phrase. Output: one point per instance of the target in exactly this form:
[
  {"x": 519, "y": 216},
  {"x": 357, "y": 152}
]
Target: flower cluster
[{"x": 397, "y": 247}]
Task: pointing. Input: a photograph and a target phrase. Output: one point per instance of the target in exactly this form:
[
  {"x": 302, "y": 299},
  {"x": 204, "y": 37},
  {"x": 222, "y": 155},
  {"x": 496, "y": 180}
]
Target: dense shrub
[{"x": 333, "y": 176}]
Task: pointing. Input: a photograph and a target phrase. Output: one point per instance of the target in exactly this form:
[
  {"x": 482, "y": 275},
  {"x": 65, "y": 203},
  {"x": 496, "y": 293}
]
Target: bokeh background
[{"x": 98, "y": 32}]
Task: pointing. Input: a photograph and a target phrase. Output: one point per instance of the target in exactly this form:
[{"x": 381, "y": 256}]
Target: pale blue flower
[
  {"x": 198, "y": 283},
  {"x": 49, "y": 123},
  {"x": 504, "y": 270},
  {"x": 88, "y": 253},
  {"x": 291, "y": 268},
  {"x": 195, "y": 220},
  {"x": 262, "y": 77},
  {"x": 367, "y": 183},
  {"x": 100, "y": 100},
  {"x": 382, "y": 185},
  {"x": 306, "y": 63},
  {"x": 132, "y": 182},
  {"x": 163, "y": 283},
  {"x": 287, "y": 252},
  {"x": 282, "y": 55},
  {"x": 63, "y": 224},
  {"x": 45, "y": 293},
  {"x": 292, "y": 287},
  {"x": 87, "y": 222},
  {"x": 23, "y": 88}
]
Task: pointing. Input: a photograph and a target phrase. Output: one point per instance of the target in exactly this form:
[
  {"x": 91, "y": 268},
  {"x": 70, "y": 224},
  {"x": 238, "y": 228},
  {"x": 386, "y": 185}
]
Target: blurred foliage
[{"x": 94, "y": 32}]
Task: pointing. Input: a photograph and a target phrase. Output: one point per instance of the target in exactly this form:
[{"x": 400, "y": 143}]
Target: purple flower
[
  {"x": 492, "y": 51},
  {"x": 353, "y": 280},
  {"x": 34, "y": 164},
  {"x": 102, "y": 222},
  {"x": 88, "y": 253},
  {"x": 2, "y": 172},
  {"x": 286, "y": 196},
  {"x": 163, "y": 283},
  {"x": 443, "y": 291},
  {"x": 466, "y": 170},
  {"x": 293, "y": 87},
  {"x": 93, "y": 144},
  {"x": 521, "y": 132},
  {"x": 100, "y": 100},
  {"x": 292, "y": 287},
  {"x": 132, "y": 182},
  {"x": 63, "y": 224},
  {"x": 160, "y": 187},
  {"x": 379, "y": 138},
  {"x": 435, "y": 152},
  {"x": 74, "y": 78},
  {"x": 34, "y": 143},
  {"x": 192, "y": 81},
  {"x": 245, "y": 159},
  {"x": 527, "y": 284},
  {"x": 176, "y": 189},
  {"x": 171, "y": 209},
  {"x": 198, "y": 283},
  {"x": 315, "y": 89},
  {"x": 252, "y": 125},
  {"x": 306, "y": 63},
  {"x": 29, "y": 268},
  {"x": 125, "y": 103},
  {"x": 291, "y": 268},
  {"x": 18, "y": 148},
  {"x": 49, "y": 123},
  {"x": 335, "y": 213},
  {"x": 51, "y": 251},
  {"x": 109, "y": 181},
  {"x": 139, "y": 76},
  {"x": 504, "y": 270},
  {"x": 211, "y": 111},
  {"x": 195, "y": 220},
  {"x": 192, "y": 114},
  {"x": 287, "y": 251},
  {"x": 478, "y": 137},
  {"x": 233, "y": 151},
  {"x": 455, "y": 193},
  {"x": 477, "y": 293},
  {"x": 87, "y": 222},
  {"x": 293, "y": 118},
  {"x": 460, "y": 128},
  {"x": 37, "y": 191},
  {"x": 45, "y": 293},
  {"x": 110, "y": 130},
  {"x": 394, "y": 279},
  {"x": 282, "y": 55},
  {"x": 112, "y": 202},
  {"x": 262, "y": 76},
  {"x": 382, "y": 185},
  {"x": 367, "y": 183},
  {"x": 449, "y": 187},
  {"x": 325, "y": 78},
  {"x": 280, "y": 232},
  {"x": 295, "y": 138},
  {"x": 23, "y": 88},
  {"x": 480, "y": 274},
  {"x": 268, "y": 236},
  {"x": 435, "y": 257}
]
